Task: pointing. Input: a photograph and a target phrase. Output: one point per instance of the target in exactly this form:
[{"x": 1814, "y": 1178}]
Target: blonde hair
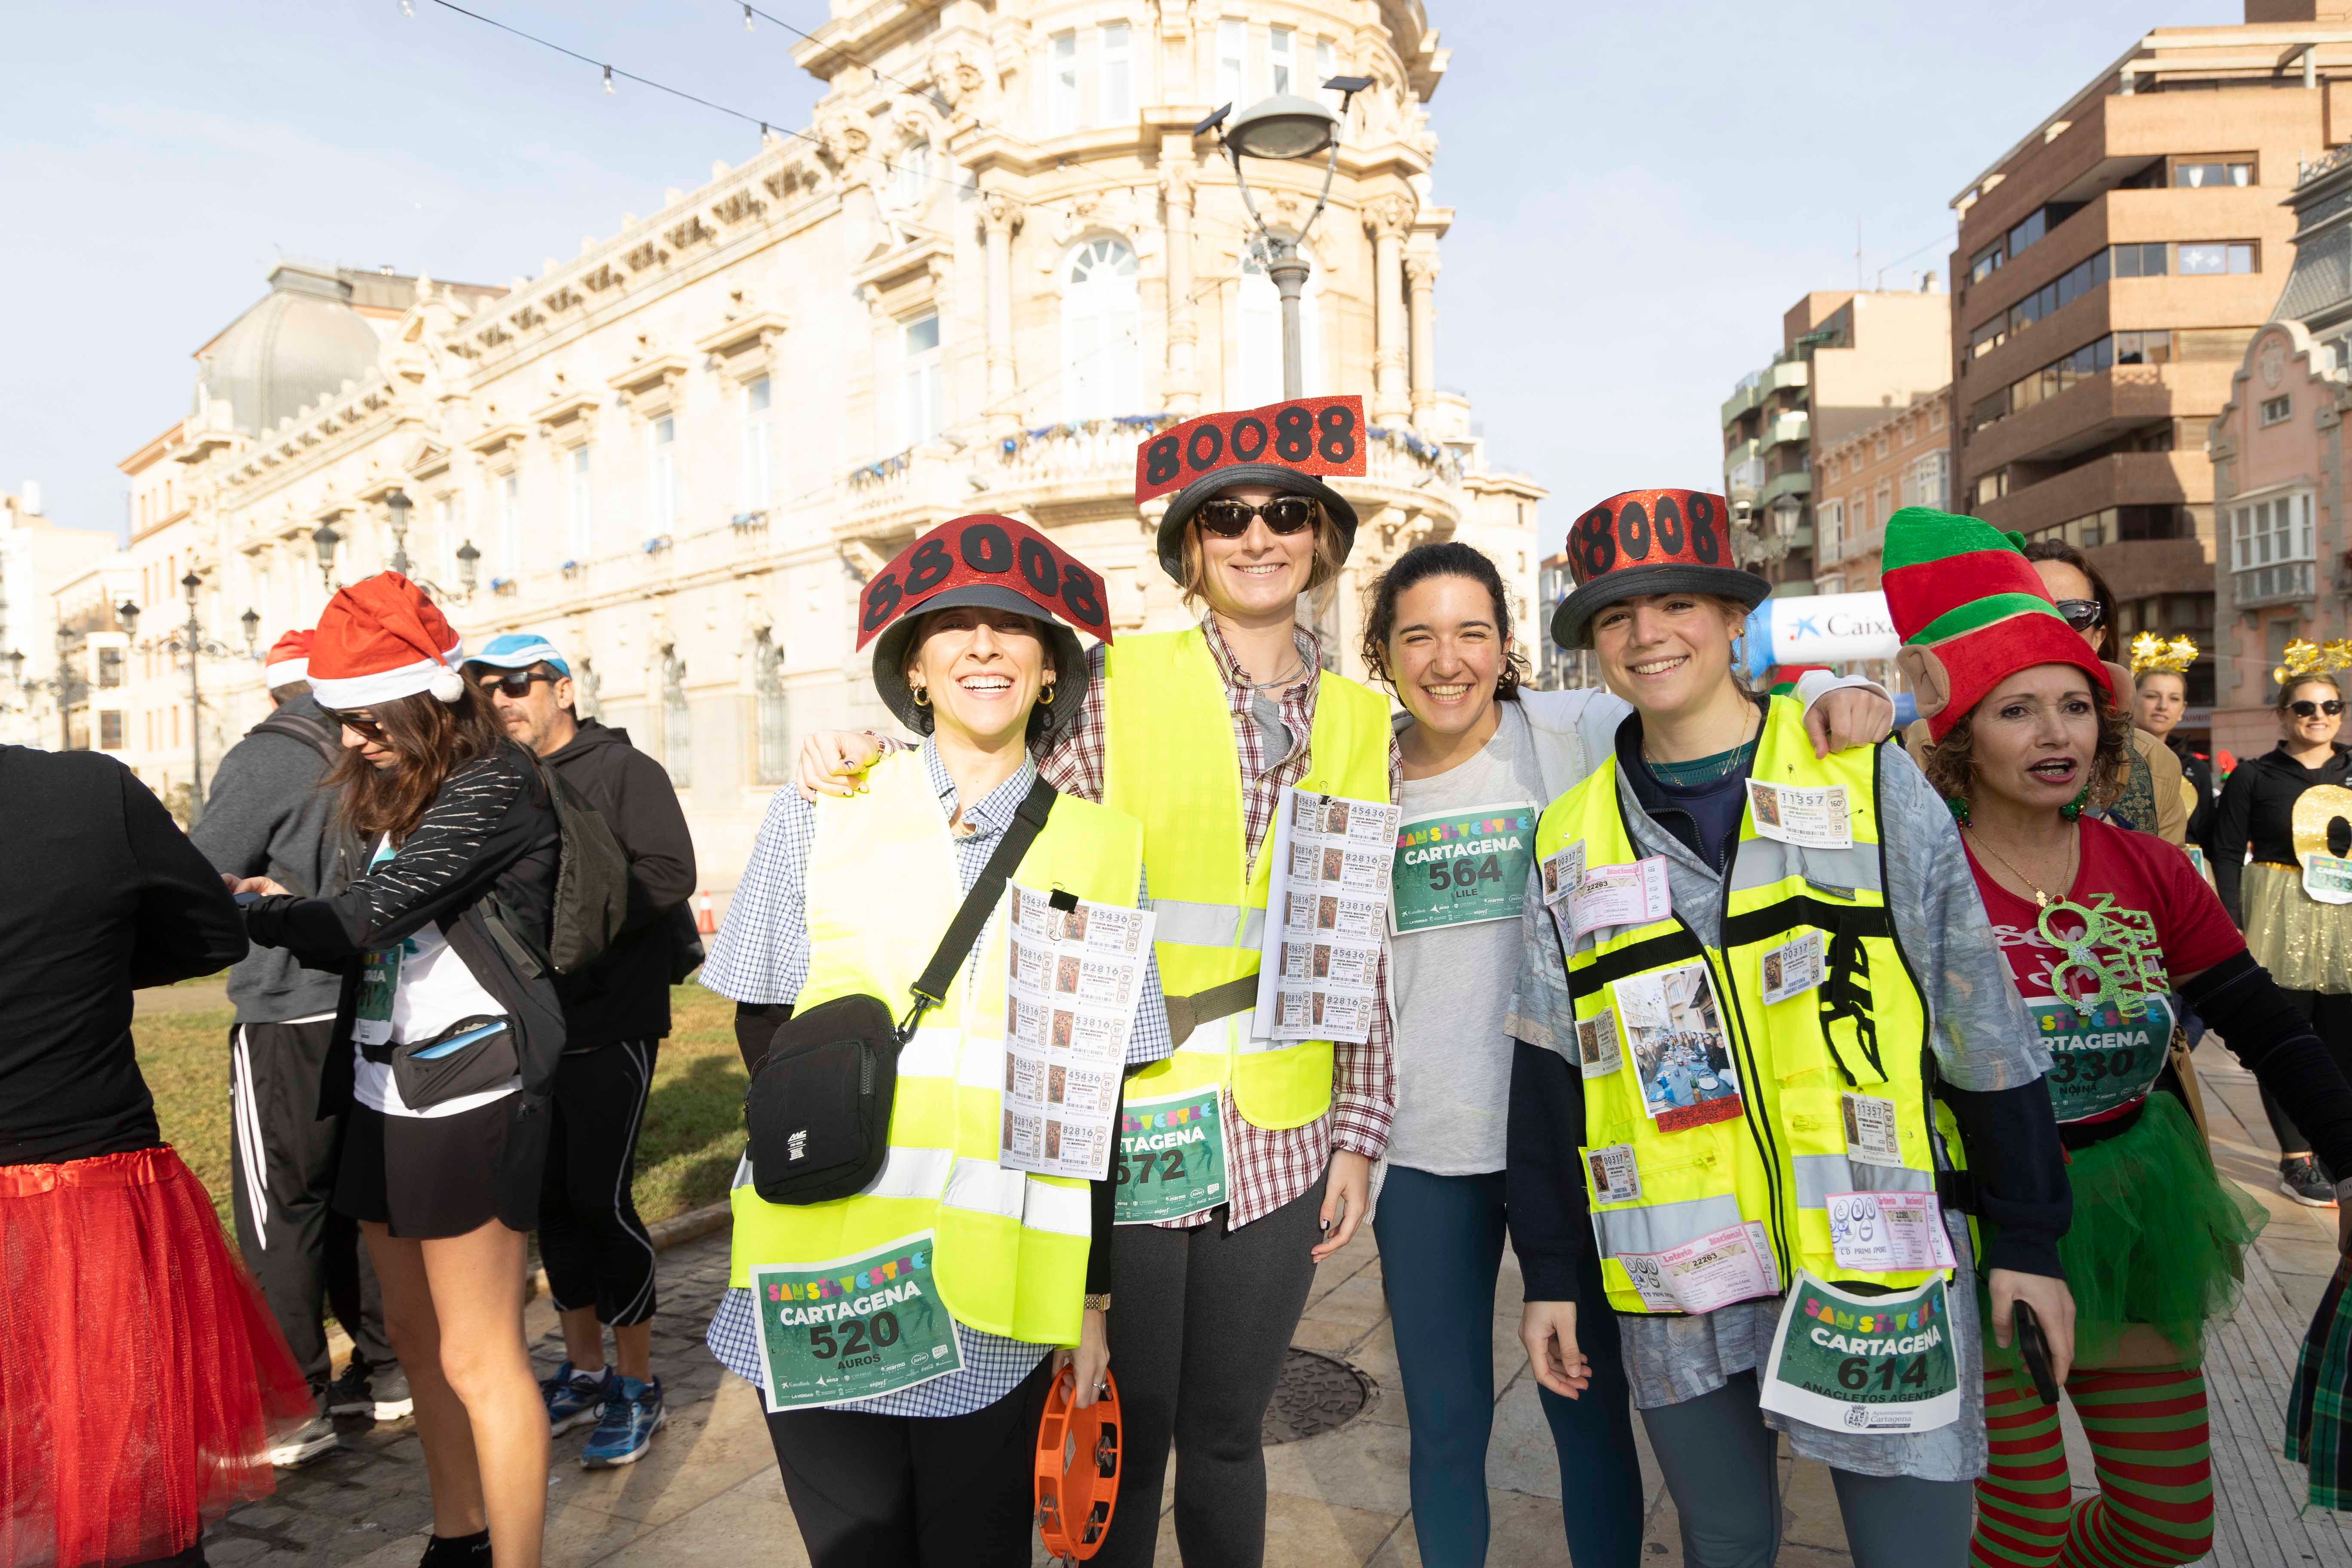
[{"x": 1330, "y": 550}]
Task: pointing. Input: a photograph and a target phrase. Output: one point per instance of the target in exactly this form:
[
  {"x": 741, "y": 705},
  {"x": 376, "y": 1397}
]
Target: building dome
[{"x": 301, "y": 342}]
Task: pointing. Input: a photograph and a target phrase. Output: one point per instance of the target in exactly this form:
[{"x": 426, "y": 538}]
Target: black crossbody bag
[{"x": 818, "y": 1108}]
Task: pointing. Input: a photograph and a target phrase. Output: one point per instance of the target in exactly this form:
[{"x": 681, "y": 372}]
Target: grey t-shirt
[{"x": 1453, "y": 984}]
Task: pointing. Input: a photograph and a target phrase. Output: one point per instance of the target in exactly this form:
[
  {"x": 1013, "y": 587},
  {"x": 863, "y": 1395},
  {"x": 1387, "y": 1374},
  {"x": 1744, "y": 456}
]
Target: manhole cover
[{"x": 1316, "y": 1395}]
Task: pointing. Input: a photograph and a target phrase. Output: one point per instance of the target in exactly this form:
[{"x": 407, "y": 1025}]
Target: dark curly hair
[
  {"x": 1417, "y": 565},
  {"x": 1947, "y": 762}
]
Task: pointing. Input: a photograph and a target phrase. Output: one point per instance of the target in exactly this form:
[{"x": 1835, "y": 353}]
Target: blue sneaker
[
  {"x": 631, "y": 1416},
  {"x": 575, "y": 1398}
]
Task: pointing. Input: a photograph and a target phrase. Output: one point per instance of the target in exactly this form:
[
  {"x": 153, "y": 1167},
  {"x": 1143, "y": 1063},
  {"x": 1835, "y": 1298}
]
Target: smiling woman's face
[
  {"x": 1261, "y": 572},
  {"x": 982, "y": 670},
  {"x": 1661, "y": 652},
  {"x": 1445, "y": 653}
]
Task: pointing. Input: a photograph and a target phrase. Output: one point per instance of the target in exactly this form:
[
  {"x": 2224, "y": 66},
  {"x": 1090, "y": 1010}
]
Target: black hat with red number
[
  {"x": 1285, "y": 447},
  {"x": 1000, "y": 562},
  {"x": 1650, "y": 541}
]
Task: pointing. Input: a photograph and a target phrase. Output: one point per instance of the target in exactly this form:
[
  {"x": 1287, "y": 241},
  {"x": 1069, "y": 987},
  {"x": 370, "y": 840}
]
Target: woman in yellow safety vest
[
  {"x": 1246, "y": 1155},
  {"x": 1774, "y": 1042},
  {"x": 901, "y": 1336},
  {"x": 2031, "y": 738}
]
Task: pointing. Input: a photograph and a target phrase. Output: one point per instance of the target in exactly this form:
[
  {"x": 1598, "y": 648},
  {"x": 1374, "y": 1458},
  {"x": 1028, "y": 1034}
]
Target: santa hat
[
  {"x": 381, "y": 639},
  {"x": 1972, "y": 612},
  {"x": 289, "y": 660}
]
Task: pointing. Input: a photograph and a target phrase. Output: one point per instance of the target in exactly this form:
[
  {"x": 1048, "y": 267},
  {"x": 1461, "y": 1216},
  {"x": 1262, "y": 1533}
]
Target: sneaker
[
  {"x": 458, "y": 1552},
  {"x": 2299, "y": 1179},
  {"x": 306, "y": 1445},
  {"x": 388, "y": 1389},
  {"x": 349, "y": 1395},
  {"x": 631, "y": 1416},
  {"x": 575, "y": 1398}
]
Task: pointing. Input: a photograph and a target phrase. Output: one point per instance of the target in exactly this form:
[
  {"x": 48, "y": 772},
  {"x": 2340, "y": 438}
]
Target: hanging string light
[
  {"x": 608, "y": 81},
  {"x": 407, "y": 7},
  {"x": 747, "y": 19}
]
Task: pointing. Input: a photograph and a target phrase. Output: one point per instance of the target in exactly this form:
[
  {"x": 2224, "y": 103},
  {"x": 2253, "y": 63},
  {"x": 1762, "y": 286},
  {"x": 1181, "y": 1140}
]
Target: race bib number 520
[{"x": 853, "y": 1328}]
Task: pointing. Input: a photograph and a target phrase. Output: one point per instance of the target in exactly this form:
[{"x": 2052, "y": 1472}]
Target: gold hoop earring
[
  {"x": 922, "y": 697},
  {"x": 1047, "y": 699}
]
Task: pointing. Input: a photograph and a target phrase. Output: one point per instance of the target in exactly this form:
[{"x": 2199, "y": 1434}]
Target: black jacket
[
  {"x": 103, "y": 894},
  {"x": 624, "y": 995},
  {"x": 2257, "y": 811},
  {"x": 2197, "y": 767},
  {"x": 486, "y": 845}
]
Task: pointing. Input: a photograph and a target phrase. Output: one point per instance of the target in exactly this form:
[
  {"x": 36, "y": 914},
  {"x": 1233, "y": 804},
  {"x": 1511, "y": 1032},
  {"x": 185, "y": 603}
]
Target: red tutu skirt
[{"x": 142, "y": 1377}]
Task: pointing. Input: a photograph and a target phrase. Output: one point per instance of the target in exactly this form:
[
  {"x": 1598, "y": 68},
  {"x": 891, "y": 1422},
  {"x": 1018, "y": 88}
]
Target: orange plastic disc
[{"x": 1077, "y": 1469}]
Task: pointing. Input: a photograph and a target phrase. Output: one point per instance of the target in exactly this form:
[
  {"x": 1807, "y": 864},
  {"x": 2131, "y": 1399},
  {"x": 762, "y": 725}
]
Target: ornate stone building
[{"x": 997, "y": 259}]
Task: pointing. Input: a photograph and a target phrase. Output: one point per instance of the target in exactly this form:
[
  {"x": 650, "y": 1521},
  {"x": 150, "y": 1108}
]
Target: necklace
[
  {"x": 1286, "y": 678},
  {"x": 2041, "y": 899},
  {"x": 1724, "y": 769}
]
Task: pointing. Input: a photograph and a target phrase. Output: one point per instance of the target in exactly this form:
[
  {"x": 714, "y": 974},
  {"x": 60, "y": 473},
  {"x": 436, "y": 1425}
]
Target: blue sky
[{"x": 1639, "y": 191}]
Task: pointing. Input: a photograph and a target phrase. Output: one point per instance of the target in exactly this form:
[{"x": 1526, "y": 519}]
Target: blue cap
[{"x": 519, "y": 650}]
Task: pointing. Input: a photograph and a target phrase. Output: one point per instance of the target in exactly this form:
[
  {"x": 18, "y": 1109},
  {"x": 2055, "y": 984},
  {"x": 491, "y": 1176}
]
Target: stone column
[
  {"x": 1421, "y": 280},
  {"x": 1182, "y": 394},
  {"x": 1387, "y": 219},
  {"x": 999, "y": 217}
]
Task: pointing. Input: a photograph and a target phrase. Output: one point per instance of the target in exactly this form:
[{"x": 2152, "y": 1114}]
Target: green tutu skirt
[{"x": 2159, "y": 1238}]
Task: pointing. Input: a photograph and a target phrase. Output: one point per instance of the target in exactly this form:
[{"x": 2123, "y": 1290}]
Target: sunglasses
[
  {"x": 2307, "y": 709},
  {"x": 515, "y": 683},
  {"x": 2082, "y": 614},
  {"x": 1229, "y": 518},
  {"x": 365, "y": 726}
]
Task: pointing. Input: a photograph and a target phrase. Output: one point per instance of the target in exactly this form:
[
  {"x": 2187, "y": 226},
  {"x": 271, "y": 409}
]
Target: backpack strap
[
  {"x": 1028, "y": 821},
  {"x": 315, "y": 733}
]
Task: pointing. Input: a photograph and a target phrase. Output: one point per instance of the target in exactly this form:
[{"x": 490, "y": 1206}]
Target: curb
[{"x": 675, "y": 1231}]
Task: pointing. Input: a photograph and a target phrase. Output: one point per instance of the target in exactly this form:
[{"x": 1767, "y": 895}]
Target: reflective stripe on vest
[
  {"x": 1010, "y": 1248},
  {"x": 1863, "y": 1031},
  {"x": 1169, "y": 762}
]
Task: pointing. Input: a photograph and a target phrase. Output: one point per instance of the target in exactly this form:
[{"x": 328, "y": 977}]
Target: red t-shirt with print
[{"x": 2156, "y": 919}]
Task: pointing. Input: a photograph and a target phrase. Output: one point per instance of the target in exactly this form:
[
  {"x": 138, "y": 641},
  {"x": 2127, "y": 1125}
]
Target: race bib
[
  {"x": 1460, "y": 868},
  {"x": 1884, "y": 1232},
  {"x": 2101, "y": 1058},
  {"x": 1812, "y": 819},
  {"x": 2327, "y": 879},
  {"x": 1718, "y": 1269},
  {"x": 378, "y": 982},
  {"x": 1792, "y": 968},
  {"x": 1172, "y": 1158},
  {"x": 1865, "y": 1363},
  {"x": 854, "y": 1328}
]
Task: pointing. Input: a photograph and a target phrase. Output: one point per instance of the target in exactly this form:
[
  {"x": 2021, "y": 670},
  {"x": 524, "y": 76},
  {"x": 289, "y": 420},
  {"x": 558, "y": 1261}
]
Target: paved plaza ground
[{"x": 709, "y": 1491}]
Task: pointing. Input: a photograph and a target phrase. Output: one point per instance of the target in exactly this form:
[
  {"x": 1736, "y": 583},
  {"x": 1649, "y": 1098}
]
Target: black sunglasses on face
[
  {"x": 515, "y": 683},
  {"x": 365, "y": 725},
  {"x": 2082, "y": 614},
  {"x": 1229, "y": 518},
  {"x": 2307, "y": 709}
]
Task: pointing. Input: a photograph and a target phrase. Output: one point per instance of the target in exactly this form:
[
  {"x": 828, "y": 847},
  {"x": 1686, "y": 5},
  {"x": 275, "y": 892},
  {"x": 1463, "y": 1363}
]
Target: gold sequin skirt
[{"x": 2306, "y": 945}]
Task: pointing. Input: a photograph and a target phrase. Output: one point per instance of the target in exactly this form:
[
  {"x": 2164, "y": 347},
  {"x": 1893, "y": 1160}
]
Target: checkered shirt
[
  {"x": 762, "y": 957},
  {"x": 1268, "y": 1168}
]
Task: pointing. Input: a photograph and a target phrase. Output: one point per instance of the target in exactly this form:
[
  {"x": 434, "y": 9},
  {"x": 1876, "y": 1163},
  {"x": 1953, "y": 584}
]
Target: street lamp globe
[
  {"x": 468, "y": 562},
  {"x": 323, "y": 539},
  {"x": 1283, "y": 126},
  {"x": 188, "y": 586},
  {"x": 126, "y": 616},
  {"x": 251, "y": 622}
]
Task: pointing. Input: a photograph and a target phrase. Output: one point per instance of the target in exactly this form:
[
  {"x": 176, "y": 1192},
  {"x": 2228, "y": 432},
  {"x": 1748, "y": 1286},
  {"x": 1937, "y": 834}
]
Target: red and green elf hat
[{"x": 1972, "y": 612}]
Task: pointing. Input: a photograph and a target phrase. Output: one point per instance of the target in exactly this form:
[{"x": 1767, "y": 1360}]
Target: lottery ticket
[
  {"x": 1329, "y": 895},
  {"x": 1073, "y": 976}
]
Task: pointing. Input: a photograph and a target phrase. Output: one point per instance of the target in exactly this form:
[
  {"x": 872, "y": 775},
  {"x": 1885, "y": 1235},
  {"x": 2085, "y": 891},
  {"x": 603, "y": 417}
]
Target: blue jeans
[{"x": 1441, "y": 1240}]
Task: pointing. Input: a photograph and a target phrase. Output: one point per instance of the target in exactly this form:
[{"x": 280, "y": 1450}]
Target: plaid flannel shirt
[{"x": 1268, "y": 1168}]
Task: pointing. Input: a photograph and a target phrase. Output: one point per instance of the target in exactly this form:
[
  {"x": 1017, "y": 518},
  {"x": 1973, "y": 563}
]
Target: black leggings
[
  {"x": 914, "y": 1492},
  {"x": 2331, "y": 1019},
  {"x": 1201, "y": 1322},
  {"x": 597, "y": 1251}
]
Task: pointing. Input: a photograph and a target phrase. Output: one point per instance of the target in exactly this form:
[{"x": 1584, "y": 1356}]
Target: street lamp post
[
  {"x": 1286, "y": 126},
  {"x": 396, "y": 506},
  {"x": 190, "y": 639}
]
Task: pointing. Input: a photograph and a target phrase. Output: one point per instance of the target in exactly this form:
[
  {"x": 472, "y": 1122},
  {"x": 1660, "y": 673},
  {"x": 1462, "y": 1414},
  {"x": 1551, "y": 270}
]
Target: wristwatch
[{"x": 1098, "y": 1303}]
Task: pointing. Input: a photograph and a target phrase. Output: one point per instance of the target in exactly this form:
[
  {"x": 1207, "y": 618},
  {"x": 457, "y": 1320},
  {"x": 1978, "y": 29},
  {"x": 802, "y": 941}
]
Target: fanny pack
[
  {"x": 818, "y": 1108},
  {"x": 469, "y": 1057}
]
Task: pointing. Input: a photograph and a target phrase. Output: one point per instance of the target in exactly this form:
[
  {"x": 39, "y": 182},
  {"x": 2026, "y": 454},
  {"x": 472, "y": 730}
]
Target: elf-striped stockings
[{"x": 2150, "y": 1443}]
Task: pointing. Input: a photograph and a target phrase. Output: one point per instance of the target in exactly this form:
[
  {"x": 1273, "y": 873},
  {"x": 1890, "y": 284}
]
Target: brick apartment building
[{"x": 2112, "y": 268}]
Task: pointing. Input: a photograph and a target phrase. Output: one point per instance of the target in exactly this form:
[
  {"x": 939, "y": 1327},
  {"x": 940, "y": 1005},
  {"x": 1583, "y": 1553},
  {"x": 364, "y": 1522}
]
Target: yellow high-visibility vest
[
  {"x": 1010, "y": 1254},
  {"x": 1169, "y": 762},
  {"x": 1863, "y": 1032}
]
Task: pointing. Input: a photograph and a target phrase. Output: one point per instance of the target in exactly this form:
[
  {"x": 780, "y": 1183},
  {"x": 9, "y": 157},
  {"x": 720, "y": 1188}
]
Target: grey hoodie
[{"x": 265, "y": 816}]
